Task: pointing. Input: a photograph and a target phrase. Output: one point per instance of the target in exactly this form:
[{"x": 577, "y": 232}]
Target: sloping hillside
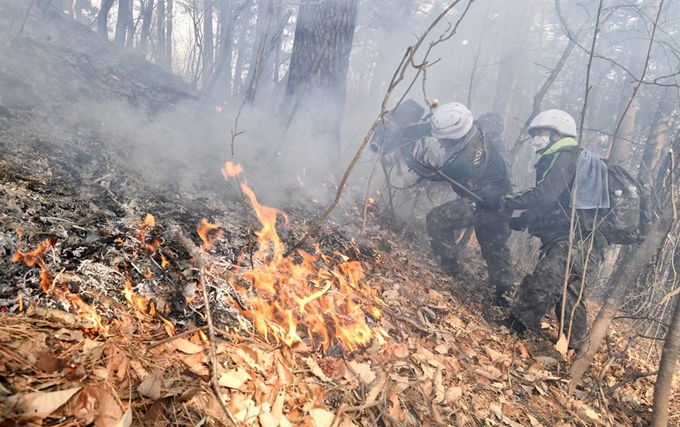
[{"x": 107, "y": 162}]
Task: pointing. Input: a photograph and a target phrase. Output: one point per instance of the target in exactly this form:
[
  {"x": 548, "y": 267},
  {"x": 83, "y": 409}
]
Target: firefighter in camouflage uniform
[
  {"x": 546, "y": 215},
  {"x": 470, "y": 159}
]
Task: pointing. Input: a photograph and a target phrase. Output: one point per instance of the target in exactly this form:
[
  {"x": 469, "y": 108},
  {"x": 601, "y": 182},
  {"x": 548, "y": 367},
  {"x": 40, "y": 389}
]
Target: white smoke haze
[{"x": 496, "y": 61}]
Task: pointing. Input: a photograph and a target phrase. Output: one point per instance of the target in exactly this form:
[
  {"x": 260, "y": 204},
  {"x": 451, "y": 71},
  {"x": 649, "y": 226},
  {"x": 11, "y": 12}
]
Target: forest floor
[{"x": 102, "y": 315}]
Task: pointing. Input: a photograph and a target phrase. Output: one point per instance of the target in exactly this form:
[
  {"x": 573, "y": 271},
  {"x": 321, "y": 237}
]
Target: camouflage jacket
[
  {"x": 546, "y": 204},
  {"x": 473, "y": 162}
]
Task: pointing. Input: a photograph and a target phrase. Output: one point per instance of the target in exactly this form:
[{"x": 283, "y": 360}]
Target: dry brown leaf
[
  {"x": 284, "y": 372},
  {"x": 284, "y": 422},
  {"x": 546, "y": 360},
  {"x": 400, "y": 351},
  {"x": 277, "y": 407},
  {"x": 363, "y": 371},
  {"x": 266, "y": 419},
  {"x": 510, "y": 422},
  {"x": 150, "y": 387},
  {"x": 442, "y": 348},
  {"x": 453, "y": 394},
  {"x": 396, "y": 411},
  {"x": 195, "y": 363},
  {"x": 377, "y": 388},
  {"x": 138, "y": 368},
  {"x": 125, "y": 420},
  {"x": 316, "y": 370},
  {"x": 496, "y": 356},
  {"x": 109, "y": 412},
  {"x": 401, "y": 383},
  {"x": 496, "y": 410},
  {"x": 321, "y": 417},
  {"x": 186, "y": 346},
  {"x": 101, "y": 373},
  {"x": 249, "y": 413},
  {"x": 42, "y": 404},
  {"x": 489, "y": 372},
  {"x": 534, "y": 422},
  {"x": 439, "y": 390},
  {"x": 562, "y": 346},
  {"x": 234, "y": 378},
  {"x": 249, "y": 359}
]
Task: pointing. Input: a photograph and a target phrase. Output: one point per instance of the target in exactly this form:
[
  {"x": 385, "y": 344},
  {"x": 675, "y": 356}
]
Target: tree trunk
[
  {"x": 265, "y": 11},
  {"x": 664, "y": 379},
  {"x": 519, "y": 15},
  {"x": 124, "y": 22},
  {"x": 168, "y": 38},
  {"x": 103, "y": 18},
  {"x": 661, "y": 125},
  {"x": 220, "y": 85},
  {"x": 160, "y": 29},
  {"x": 147, "y": 16},
  {"x": 240, "y": 59},
  {"x": 208, "y": 46},
  {"x": 317, "y": 78},
  {"x": 621, "y": 145}
]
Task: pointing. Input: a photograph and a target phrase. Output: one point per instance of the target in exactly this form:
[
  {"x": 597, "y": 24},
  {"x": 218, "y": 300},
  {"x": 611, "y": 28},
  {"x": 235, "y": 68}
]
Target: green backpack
[{"x": 627, "y": 220}]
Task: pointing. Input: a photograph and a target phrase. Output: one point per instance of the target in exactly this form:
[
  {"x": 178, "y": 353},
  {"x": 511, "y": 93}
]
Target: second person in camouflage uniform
[{"x": 547, "y": 215}]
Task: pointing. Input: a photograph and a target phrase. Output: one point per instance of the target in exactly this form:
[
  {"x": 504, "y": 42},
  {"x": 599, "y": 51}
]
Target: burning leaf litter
[{"x": 384, "y": 349}]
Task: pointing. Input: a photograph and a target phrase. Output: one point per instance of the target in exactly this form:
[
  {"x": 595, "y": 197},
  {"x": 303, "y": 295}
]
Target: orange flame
[
  {"x": 208, "y": 233},
  {"x": 36, "y": 257},
  {"x": 307, "y": 296},
  {"x": 231, "y": 170},
  {"x": 148, "y": 223},
  {"x": 139, "y": 302}
]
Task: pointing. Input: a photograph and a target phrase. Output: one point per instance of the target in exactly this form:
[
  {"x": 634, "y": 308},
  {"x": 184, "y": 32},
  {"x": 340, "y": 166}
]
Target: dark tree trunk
[
  {"x": 265, "y": 10},
  {"x": 124, "y": 24},
  {"x": 621, "y": 145},
  {"x": 208, "y": 45},
  {"x": 658, "y": 131},
  {"x": 160, "y": 31},
  {"x": 220, "y": 84},
  {"x": 147, "y": 16},
  {"x": 512, "y": 54},
  {"x": 168, "y": 37},
  {"x": 317, "y": 78},
  {"x": 664, "y": 379},
  {"x": 240, "y": 59},
  {"x": 103, "y": 18}
]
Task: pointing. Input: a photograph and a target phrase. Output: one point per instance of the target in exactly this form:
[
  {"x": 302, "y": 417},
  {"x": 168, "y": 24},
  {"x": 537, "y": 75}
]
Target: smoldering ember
[{"x": 240, "y": 213}]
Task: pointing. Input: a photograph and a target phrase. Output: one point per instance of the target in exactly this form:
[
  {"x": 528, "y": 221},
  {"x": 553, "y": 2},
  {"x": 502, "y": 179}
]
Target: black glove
[
  {"x": 491, "y": 203},
  {"x": 518, "y": 223}
]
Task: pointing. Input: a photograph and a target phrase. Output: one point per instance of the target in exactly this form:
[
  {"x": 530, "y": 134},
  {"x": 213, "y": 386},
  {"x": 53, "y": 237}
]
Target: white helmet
[
  {"x": 557, "y": 120},
  {"x": 451, "y": 121}
]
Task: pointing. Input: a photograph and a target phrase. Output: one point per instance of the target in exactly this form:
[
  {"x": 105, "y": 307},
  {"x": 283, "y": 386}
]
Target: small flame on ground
[
  {"x": 208, "y": 233},
  {"x": 36, "y": 257}
]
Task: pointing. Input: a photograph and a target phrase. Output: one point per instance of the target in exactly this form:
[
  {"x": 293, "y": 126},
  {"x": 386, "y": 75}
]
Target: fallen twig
[
  {"x": 174, "y": 337},
  {"x": 193, "y": 250}
]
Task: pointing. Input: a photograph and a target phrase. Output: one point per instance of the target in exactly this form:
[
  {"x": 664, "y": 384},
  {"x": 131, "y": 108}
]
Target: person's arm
[
  {"x": 421, "y": 170},
  {"x": 557, "y": 178}
]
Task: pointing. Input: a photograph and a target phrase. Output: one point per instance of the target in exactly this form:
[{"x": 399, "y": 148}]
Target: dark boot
[
  {"x": 502, "y": 298},
  {"x": 450, "y": 266},
  {"x": 512, "y": 324}
]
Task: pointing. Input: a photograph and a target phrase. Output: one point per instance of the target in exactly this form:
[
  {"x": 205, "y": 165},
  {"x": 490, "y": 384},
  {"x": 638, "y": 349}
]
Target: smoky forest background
[{"x": 293, "y": 90}]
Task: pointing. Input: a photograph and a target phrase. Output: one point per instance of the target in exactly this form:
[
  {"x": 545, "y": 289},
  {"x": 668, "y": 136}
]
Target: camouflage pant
[
  {"x": 541, "y": 291},
  {"x": 492, "y": 233}
]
